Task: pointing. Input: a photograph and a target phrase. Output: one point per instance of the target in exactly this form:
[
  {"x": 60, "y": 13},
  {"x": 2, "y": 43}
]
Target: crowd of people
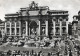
[
  {"x": 63, "y": 45},
  {"x": 26, "y": 53}
]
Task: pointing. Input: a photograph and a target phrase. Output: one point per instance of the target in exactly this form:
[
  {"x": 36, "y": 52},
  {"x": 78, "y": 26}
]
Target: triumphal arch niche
[{"x": 36, "y": 21}]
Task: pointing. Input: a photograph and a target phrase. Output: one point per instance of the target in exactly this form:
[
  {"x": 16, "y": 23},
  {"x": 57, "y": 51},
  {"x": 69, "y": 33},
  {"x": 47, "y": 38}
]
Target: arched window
[
  {"x": 13, "y": 31},
  {"x": 8, "y": 31},
  {"x": 17, "y": 30}
]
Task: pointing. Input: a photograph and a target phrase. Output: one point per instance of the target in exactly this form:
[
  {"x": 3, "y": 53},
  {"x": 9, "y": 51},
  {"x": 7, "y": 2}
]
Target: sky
[{"x": 13, "y": 6}]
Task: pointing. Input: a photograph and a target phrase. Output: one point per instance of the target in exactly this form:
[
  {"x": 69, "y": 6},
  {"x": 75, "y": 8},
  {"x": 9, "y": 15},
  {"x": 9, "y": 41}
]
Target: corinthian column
[
  {"x": 60, "y": 27},
  {"x": 53, "y": 26},
  {"x": 26, "y": 28},
  {"x": 46, "y": 27},
  {"x": 10, "y": 28},
  {"x": 54, "y": 19},
  {"x": 20, "y": 28},
  {"x": 67, "y": 27},
  {"x": 39, "y": 28},
  {"x": 5, "y": 27},
  {"x": 15, "y": 28}
]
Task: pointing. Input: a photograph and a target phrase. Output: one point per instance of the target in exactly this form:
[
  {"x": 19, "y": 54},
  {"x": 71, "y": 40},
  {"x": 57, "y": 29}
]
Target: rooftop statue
[{"x": 33, "y": 5}]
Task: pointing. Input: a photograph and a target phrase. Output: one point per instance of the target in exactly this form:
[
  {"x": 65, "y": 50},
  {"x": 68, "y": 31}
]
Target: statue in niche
[
  {"x": 43, "y": 31},
  {"x": 33, "y": 33},
  {"x": 24, "y": 31}
]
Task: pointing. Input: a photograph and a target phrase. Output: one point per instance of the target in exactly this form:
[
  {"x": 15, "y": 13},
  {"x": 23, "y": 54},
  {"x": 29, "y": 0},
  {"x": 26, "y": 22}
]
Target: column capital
[
  {"x": 66, "y": 18},
  {"x": 60, "y": 18},
  {"x": 54, "y": 18}
]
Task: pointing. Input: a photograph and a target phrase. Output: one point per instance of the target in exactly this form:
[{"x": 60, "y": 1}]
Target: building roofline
[
  {"x": 11, "y": 14},
  {"x": 58, "y": 11}
]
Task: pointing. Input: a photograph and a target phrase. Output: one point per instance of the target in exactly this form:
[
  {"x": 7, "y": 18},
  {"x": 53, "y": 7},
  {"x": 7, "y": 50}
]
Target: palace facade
[
  {"x": 76, "y": 26},
  {"x": 37, "y": 22}
]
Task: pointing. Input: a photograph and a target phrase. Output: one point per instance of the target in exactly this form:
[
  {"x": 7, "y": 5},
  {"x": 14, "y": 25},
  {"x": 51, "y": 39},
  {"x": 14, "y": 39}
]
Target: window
[
  {"x": 51, "y": 31},
  {"x": 17, "y": 30},
  {"x": 13, "y": 31},
  {"x": 8, "y": 30}
]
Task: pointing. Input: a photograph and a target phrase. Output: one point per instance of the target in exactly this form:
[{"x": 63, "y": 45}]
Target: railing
[
  {"x": 13, "y": 34},
  {"x": 57, "y": 33},
  {"x": 64, "y": 33},
  {"x": 43, "y": 24}
]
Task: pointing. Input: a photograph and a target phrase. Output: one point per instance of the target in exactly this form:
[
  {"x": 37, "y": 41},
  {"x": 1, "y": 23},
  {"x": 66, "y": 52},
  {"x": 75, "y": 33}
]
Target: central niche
[{"x": 33, "y": 28}]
